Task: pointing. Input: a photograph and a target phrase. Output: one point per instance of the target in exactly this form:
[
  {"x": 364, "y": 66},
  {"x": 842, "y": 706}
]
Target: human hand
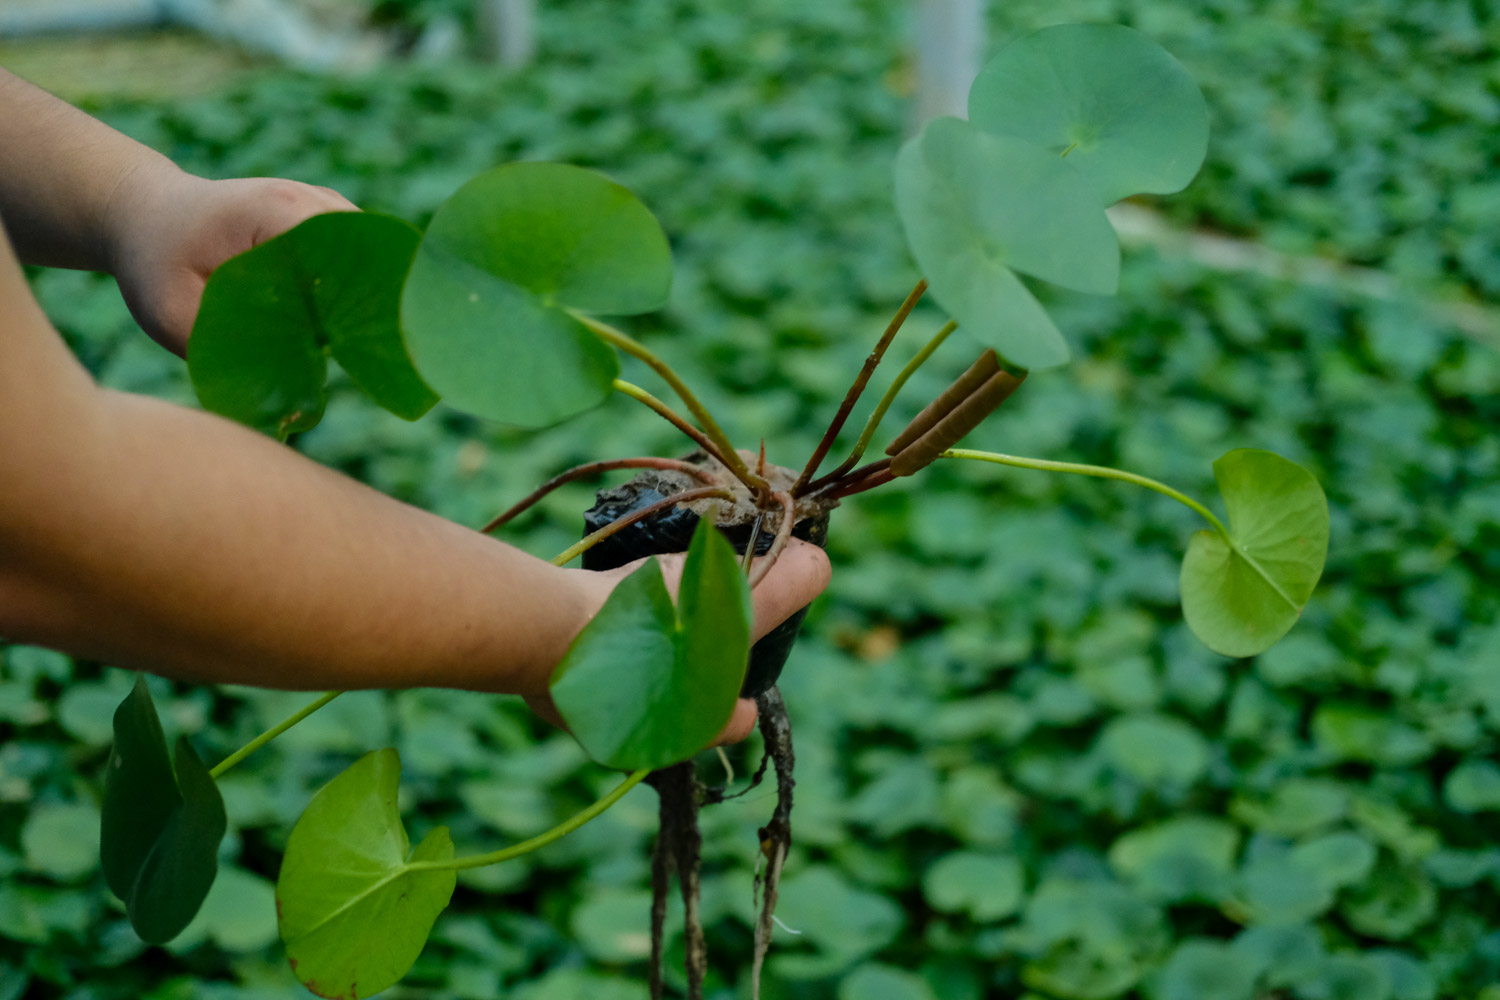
[
  {"x": 800, "y": 574},
  {"x": 168, "y": 230}
]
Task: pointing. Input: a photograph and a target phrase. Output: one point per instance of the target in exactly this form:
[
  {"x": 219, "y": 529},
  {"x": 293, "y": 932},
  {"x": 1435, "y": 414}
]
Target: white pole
[
  {"x": 950, "y": 44},
  {"x": 509, "y": 28}
]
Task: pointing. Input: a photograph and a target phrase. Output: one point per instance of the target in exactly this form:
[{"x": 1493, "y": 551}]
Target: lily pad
[
  {"x": 1201, "y": 969},
  {"x": 159, "y": 829},
  {"x": 257, "y": 350},
  {"x": 353, "y": 906},
  {"x": 1242, "y": 593},
  {"x": 485, "y": 308},
  {"x": 646, "y": 684},
  {"x": 976, "y": 209},
  {"x": 985, "y": 886},
  {"x": 1119, "y": 105}
]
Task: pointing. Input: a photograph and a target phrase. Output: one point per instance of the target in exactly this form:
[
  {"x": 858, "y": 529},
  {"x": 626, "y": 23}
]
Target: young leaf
[
  {"x": 1124, "y": 111},
  {"x": 645, "y": 685},
  {"x": 976, "y": 206},
  {"x": 1242, "y": 594},
  {"x": 159, "y": 831},
  {"x": 353, "y": 913},
  {"x": 256, "y": 354},
  {"x": 484, "y": 309}
]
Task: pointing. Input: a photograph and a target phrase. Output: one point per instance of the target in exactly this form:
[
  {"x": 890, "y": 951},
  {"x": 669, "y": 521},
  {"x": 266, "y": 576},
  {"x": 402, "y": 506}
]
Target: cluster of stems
[{"x": 930, "y": 436}]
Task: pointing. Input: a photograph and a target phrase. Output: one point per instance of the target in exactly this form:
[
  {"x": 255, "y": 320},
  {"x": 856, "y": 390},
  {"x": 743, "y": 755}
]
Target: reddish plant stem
[
  {"x": 783, "y": 532},
  {"x": 755, "y": 485},
  {"x": 866, "y": 477},
  {"x": 857, "y": 389},
  {"x": 593, "y": 468},
  {"x": 866, "y": 483}
]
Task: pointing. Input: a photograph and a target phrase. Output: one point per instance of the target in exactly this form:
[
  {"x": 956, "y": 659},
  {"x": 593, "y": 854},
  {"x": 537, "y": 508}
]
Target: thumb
[{"x": 800, "y": 574}]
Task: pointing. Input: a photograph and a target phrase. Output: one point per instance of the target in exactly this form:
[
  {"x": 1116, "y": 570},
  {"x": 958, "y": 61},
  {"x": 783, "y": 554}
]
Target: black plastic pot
[{"x": 672, "y": 529}]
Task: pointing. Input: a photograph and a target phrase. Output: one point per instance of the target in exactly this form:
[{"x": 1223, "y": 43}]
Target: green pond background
[{"x": 1019, "y": 775}]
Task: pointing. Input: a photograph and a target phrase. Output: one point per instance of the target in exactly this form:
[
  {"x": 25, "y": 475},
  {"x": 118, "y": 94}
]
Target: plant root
[
  {"x": 783, "y": 532},
  {"x": 775, "y": 836},
  {"x": 679, "y": 848}
]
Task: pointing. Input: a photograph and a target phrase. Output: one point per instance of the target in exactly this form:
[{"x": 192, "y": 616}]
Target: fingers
[
  {"x": 740, "y": 725},
  {"x": 275, "y": 205},
  {"x": 800, "y": 574}
]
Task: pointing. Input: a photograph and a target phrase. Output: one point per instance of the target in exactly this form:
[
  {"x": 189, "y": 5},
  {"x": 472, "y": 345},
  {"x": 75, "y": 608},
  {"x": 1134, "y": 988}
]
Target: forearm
[
  {"x": 147, "y": 535},
  {"x": 60, "y": 173},
  {"x": 186, "y": 545}
]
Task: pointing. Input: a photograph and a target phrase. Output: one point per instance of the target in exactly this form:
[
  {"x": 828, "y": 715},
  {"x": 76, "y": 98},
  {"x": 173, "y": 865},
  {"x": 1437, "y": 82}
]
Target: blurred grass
[{"x": 1019, "y": 775}]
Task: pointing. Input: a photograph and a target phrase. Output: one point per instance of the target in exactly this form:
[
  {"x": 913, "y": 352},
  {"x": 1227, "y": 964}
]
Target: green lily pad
[
  {"x": 353, "y": 911},
  {"x": 1154, "y": 749},
  {"x": 257, "y": 350},
  {"x": 1280, "y": 891},
  {"x": 1185, "y": 858},
  {"x": 645, "y": 684},
  {"x": 1338, "y": 859},
  {"x": 1121, "y": 107},
  {"x": 1201, "y": 969},
  {"x": 985, "y": 886},
  {"x": 58, "y": 840},
  {"x": 976, "y": 209},
  {"x": 485, "y": 306},
  {"x": 1241, "y": 594},
  {"x": 1393, "y": 904},
  {"x": 159, "y": 830}
]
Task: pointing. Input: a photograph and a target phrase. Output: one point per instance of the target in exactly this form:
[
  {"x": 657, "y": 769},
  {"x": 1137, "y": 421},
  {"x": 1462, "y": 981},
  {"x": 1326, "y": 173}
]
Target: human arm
[
  {"x": 76, "y": 193},
  {"x": 152, "y": 536}
]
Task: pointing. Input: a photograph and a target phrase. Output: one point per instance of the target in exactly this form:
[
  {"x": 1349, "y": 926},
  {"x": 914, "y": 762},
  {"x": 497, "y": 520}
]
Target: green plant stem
[
  {"x": 1097, "y": 471},
  {"x": 271, "y": 734},
  {"x": 876, "y": 417},
  {"x": 636, "y": 349},
  {"x": 540, "y": 840}
]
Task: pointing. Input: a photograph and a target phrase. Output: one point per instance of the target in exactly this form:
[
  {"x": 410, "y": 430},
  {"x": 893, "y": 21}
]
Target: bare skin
[{"x": 155, "y": 537}]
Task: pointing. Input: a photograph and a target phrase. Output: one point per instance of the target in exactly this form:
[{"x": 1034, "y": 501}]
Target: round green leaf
[
  {"x": 1206, "y": 970},
  {"x": 1187, "y": 858},
  {"x": 883, "y": 982},
  {"x": 1345, "y": 977},
  {"x": 250, "y": 355},
  {"x": 1122, "y": 108},
  {"x": 59, "y": 840},
  {"x": 985, "y": 886},
  {"x": 1473, "y": 786},
  {"x": 1276, "y": 890},
  {"x": 159, "y": 831},
  {"x": 352, "y": 912},
  {"x": 1241, "y": 594},
  {"x": 1355, "y": 732},
  {"x": 835, "y": 917},
  {"x": 239, "y": 914},
  {"x": 1295, "y": 806},
  {"x": 609, "y": 925},
  {"x": 645, "y": 685},
  {"x": 1336, "y": 859},
  {"x": 256, "y": 353},
  {"x": 1154, "y": 749},
  {"x": 357, "y": 298},
  {"x": 484, "y": 308},
  {"x": 978, "y": 207},
  {"x": 1393, "y": 904}
]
